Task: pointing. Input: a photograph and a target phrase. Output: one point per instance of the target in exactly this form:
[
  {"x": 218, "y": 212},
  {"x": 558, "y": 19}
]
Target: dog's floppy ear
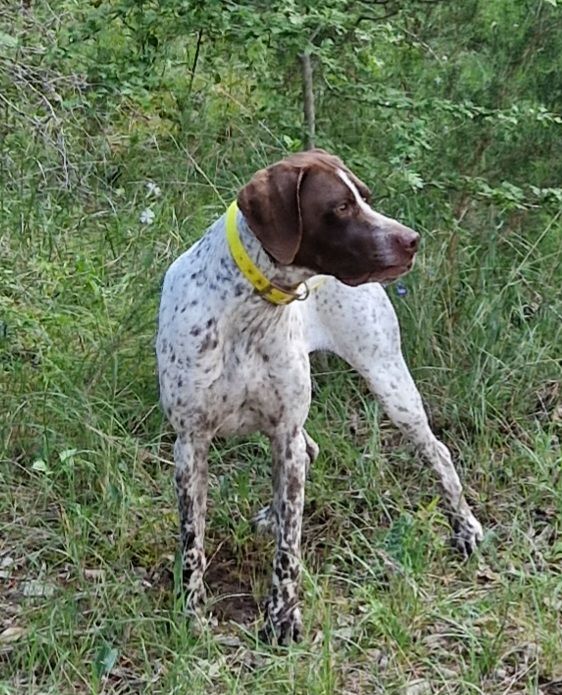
[{"x": 270, "y": 203}]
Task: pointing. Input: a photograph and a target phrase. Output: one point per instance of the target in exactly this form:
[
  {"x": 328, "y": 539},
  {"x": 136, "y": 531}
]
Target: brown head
[{"x": 310, "y": 210}]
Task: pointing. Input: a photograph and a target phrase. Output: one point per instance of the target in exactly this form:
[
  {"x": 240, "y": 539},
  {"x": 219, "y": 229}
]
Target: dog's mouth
[{"x": 389, "y": 274}]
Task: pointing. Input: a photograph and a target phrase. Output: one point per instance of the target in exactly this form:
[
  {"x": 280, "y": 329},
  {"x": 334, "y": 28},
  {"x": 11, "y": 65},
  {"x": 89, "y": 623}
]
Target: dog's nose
[
  {"x": 407, "y": 239},
  {"x": 412, "y": 242}
]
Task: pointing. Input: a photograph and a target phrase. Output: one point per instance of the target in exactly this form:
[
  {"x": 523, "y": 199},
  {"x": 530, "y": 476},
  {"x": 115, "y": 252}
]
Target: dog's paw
[
  {"x": 264, "y": 522},
  {"x": 199, "y": 621},
  {"x": 467, "y": 534},
  {"x": 283, "y": 629},
  {"x": 191, "y": 590}
]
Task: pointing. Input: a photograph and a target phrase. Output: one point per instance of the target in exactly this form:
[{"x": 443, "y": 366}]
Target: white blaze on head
[
  {"x": 367, "y": 209},
  {"x": 376, "y": 217}
]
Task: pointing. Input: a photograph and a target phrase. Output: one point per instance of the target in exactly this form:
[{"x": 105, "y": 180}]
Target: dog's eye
[{"x": 344, "y": 207}]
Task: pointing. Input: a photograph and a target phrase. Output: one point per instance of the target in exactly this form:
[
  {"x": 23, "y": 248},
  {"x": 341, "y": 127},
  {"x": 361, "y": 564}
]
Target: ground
[{"x": 89, "y": 576}]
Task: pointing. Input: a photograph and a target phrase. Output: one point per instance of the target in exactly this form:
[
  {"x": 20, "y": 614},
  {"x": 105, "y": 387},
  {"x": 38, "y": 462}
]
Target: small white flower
[
  {"x": 153, "y": 190},
  {"x": 147, "y": 216}
]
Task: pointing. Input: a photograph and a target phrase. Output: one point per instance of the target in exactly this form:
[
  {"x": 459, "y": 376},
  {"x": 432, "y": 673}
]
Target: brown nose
[{"x": 407, "y": 239}]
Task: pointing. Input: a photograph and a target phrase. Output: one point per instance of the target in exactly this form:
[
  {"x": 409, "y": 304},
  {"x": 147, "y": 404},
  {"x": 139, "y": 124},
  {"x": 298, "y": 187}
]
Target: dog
[{"x": 292, "y": 267}]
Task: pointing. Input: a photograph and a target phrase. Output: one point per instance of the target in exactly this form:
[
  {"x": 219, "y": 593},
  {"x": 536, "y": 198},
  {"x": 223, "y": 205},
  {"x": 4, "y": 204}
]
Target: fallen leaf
[
  {"x": 11, "y": 634},
  {"x": 419, "y": 687},
  {"x": 35, "y": 588}
]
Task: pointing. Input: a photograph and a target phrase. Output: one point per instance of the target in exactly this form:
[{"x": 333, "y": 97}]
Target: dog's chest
[
  {"x": 228, "y": 358},
  {"x": 260, "y": 377}
]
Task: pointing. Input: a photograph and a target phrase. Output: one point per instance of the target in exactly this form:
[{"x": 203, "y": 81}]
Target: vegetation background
[{"x": 126, "y": 127}]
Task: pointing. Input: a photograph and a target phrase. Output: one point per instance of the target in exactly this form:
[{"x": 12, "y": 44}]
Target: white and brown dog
[{"x": 233, "y": 348}]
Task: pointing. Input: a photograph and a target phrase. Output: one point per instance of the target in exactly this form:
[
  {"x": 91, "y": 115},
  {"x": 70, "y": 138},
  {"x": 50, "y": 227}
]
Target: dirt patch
[
  {"x": 237, "y": 578},
  {"x": 230, "y": 587}
]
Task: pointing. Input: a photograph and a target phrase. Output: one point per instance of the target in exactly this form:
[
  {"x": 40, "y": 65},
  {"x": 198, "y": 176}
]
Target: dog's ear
[{"x": 271, "y": 205}]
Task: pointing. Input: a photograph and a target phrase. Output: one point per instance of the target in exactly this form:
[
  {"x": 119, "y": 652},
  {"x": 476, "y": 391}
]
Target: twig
[
  {"x": 195, "y": 60},
  {"x": 369, "y": 18},
  {"x": 24, "y": 77},
  {"x": 308, "y": 100}
]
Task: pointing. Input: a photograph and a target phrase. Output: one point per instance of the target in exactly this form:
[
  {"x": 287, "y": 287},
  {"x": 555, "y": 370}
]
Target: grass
[
  {"x": 87, "y": 508},
  {"x": 88, "y": 568}
]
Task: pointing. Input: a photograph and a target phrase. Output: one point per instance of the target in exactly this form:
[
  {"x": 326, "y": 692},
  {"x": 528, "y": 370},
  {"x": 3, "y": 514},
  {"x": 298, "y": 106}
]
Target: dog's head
[{"x": 310, "y": 210}]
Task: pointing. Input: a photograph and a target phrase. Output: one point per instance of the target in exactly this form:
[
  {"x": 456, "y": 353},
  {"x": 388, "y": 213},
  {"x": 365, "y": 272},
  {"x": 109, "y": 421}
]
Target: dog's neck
[{"x": 286, "y": 277}]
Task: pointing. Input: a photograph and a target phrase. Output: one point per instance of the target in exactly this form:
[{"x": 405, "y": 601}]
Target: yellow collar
[{"x": 249, "y": 270}]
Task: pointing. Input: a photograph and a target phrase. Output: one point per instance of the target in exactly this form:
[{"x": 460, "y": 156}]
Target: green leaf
[
  {"x": 40, "y": 466},
  {"x": 9, "y": 41},
  {"x": 414, "y": 179},
  {"x": 105, "y": 660}
]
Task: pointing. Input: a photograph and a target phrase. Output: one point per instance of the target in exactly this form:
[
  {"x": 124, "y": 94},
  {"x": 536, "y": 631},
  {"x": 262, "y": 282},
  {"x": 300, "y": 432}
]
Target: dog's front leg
[
  {"x": 381, "y": 363},
  {"x": 264, "y": 521},
  {"x": 283, "y": 616},
  {"x": 393, "y": 385},
  {"x": 190, "y": 456},
  {"x": 360, "y": 325}
]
